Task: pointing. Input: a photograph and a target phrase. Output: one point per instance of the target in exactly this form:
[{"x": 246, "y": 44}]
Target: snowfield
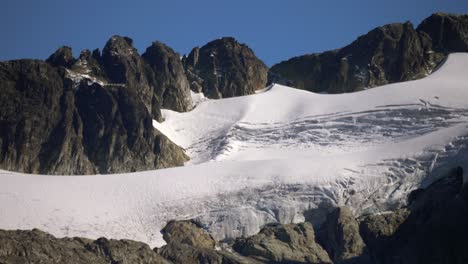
[{"x": 281, "y": 155}]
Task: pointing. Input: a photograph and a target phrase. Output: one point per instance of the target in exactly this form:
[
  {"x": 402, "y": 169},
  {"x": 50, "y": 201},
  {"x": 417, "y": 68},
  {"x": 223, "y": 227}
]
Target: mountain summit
[{"x": 387, "y": 54}]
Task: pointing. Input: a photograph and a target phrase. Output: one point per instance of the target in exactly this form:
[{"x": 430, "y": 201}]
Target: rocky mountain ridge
[
  {"x": 225, "y": 68},
  {"x": 93, "y": 114},
  {"x": 388, "y": 54}
]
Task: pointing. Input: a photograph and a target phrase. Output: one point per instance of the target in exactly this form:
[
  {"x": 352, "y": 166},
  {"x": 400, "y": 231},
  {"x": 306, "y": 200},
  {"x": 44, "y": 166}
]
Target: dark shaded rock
[
  {"x": 123, "y": 65},
  {"x": 186, "y": 254},
  {"x": 340, "y": 237},
  {"x": 291, "y": 243},
  {"x": 118, "y": 134},
  {"x": 171, "y": 85},
  {"x": 392, "y": 53},
  {"x": 434, "y": 231},
  {"x": 377, "y": 230},
  {"x": 189, "y": 243},
  {"x": 89, "y": 64},
  {"x": 449, "y": 33},
  {"x": 35, "y": 108},
  {"x": 62, "y": 57},
  {"x": 187, "y": 232},
  {"x": 18, "y": 247},
  {"x": 225, "y": 68},
  {"x": 387, "y": 54},
  {"x": 49, "y": 126}
]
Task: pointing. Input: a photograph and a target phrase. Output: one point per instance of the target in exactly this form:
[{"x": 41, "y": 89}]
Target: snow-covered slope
[{"x": 280, "y": 155}]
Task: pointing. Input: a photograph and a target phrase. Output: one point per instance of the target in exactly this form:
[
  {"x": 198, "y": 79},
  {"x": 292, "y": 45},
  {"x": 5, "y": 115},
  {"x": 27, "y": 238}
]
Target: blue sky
[{"x": 275, "y": 29}]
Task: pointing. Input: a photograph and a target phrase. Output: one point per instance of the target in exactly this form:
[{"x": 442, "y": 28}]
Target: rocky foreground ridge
[
  {"x": 431, "y": 229},
  {"x": 93, "y": 114},
  {"x": 387, "y": 54}
]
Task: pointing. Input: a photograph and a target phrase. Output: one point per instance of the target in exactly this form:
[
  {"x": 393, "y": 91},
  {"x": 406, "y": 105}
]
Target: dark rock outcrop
[
  {"x": 378, "y": 229},
  {"x": 118, "y": 134},
  {"x": 449, "y": 33},
  {"x": 92, "y": 114},
  {"x": 388, "y": 54},
  {"x": 158, "y": 75},
  {"x": 291, "y": 243},
  {"x": 90, "y": 64},
  {"x": 50, "y": 125},
  {"x": 225, "y": 68},
  {"x": 189, "y": 243},
  {"x": 434, "y": 231},
  {"x": 62, "y": 57},
  {"x": 171, "y": 85},
  {"x": 340, "y": 237},
  {"x": 35, "y": 108},
  {"x": 123, "y": 65},
  {"x": 19, "y": 247}
]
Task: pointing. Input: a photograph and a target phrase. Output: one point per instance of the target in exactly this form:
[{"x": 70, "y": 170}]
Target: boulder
[
  {"x": 188, "y": 243},
  {"x": 290, "y": 243},
  {"x": 340, "y": 237}
]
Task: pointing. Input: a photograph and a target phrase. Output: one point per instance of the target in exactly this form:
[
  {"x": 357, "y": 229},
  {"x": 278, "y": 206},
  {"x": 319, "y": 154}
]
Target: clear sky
[{"x": 275, "y": 29}]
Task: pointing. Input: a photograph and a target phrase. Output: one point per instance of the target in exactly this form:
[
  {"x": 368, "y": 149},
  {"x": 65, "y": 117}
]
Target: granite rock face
[
  {"x": 89, "y": 63},
  {"x": 53, "y": 125},
  {"x": 225, "y": 68},
  {"x": 123, "y": 65},
  {"x": 341, "y": 238},
  {"x": 19, "y": 247},
  {"x": 291, "y": 243},
  {"x": 189, "y": 243},
  {"x": 434, "y": 231},
  {"x": 62, "y": 57},
  {"x": 448, "y": 33},
  {"x": 388, "y": 54},
  {"x": 173, "y": 88},
  {"x": 92, "y": 114}
]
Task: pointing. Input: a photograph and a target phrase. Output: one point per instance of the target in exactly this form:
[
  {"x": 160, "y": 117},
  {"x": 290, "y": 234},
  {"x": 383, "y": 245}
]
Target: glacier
[{"x": 280, "y": 155}]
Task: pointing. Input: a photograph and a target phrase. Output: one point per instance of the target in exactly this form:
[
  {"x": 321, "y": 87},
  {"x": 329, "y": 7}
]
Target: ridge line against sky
[{"x": 276, "y": 30}]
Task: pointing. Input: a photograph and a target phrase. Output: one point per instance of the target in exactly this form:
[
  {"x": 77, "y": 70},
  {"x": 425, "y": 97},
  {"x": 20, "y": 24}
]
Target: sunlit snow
[{"x": 279, "y": 155}]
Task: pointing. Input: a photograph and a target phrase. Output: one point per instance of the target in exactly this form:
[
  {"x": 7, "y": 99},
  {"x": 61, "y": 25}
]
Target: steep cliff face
[
  {"x": 94, "y": 114},
  {"x": 448, "y": 33},
  {"x": 52, "y": 123},
  {"x": 123, "y": 65},
  {"x": 225, "y": 68},
  {"x": 391, "y": 53},
  {"x": 36, "y": 104},
  {"x": 169, "y": 79},
  {"x": 62, "y": 57}
]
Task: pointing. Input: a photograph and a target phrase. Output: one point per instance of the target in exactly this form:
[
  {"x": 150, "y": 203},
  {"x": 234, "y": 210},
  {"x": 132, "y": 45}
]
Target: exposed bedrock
[{"x": 387, "y": 54}]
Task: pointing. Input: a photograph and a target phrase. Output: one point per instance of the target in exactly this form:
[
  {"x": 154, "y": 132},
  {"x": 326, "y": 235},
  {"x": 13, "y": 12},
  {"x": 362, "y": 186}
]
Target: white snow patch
[
  {"x": 197, "y": 98},
  {"x": 78, "y": 77}
]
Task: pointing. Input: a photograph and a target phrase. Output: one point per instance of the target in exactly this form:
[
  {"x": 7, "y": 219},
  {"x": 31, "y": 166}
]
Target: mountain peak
[{"x": 63, "y": 56}]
